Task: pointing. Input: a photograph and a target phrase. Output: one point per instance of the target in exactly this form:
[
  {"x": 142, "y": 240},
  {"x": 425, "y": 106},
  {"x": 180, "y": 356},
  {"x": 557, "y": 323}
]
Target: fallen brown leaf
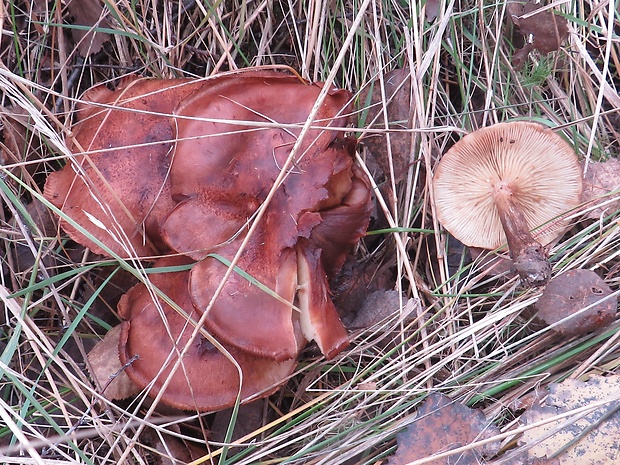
[
  {"x": 398, "y": 95},
  {"x": 168, "y": 449},
  {"x": 356, "y": 282},
  {"x": 442, "y": 425},
  {"x": 544, "y": 26},
  {"x": 88, "y": 13},
  {"x": 380, "y": 305},
  {"x": 601, "y": 186},
  {"x": 568, "y": 294},
  {"x": 106, "y": 368},
  {"x": 250, "y": 417},
  {"x": 431, "y": 10},
  {"x": 18, "y": 144},
  {"x": 42, "y": 225}
]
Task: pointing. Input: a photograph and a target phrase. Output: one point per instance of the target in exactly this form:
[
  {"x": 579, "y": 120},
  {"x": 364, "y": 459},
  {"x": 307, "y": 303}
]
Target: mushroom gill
[{"x": 510, "y": 182}]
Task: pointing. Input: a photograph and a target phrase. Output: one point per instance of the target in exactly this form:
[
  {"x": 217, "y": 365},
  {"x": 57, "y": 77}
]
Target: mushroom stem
[{"x": 528, "y": 256}]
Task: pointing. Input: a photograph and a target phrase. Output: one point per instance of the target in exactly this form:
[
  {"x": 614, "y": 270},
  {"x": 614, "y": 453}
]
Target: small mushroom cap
[
  {"x": 572, "y": 291},
  {"x": 206, "y": 380},
  {"x": 541, "y": 169},
  {"x": 125, "y": 189},
  {"x": 200, "y": 224}
]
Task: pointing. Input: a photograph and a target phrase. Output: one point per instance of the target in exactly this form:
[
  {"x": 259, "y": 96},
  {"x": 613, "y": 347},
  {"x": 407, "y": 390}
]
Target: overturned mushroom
[
  {"x": 499, "y": 183},
  {"x": 153, "y": 334},
  {"x": 577, "y": 301}
]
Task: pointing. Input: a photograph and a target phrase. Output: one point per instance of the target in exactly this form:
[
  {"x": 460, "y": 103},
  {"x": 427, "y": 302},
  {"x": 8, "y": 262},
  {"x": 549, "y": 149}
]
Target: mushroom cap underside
[
  {"x": 539, "y": 168},
  {"x": 206, "y": 380}
]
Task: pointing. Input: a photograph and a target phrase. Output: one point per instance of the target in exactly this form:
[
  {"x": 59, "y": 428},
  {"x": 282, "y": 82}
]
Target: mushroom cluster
[
  {"x": 177, "y": 169},
  {"x": 509, "y": 183}
]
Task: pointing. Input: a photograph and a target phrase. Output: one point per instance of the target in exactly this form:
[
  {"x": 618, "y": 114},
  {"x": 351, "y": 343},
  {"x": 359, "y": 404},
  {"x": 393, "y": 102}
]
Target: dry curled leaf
[
  {"x": 569, "y": 294},
  {"x": 107, "y": 370},
  {"x": 398, "y": 95},
  {"x": 543, "y": 28},
  {"x": 442, "y": 425},
  {"x": 601, "y": 188},
  {"x": 88, "y": 13},
  {"x": 599, "y": 445}
]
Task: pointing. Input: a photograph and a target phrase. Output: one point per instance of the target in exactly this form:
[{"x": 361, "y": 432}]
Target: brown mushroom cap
[
  {"x": 200, "y": 224},
  {"x": 215, "y": 148},
  {"x": 220, "y": 163},
  {"x": 539, "y": 167},
  {"x": 125, "y": 189},
  {"x": 206, "y": 380},
  {"x": 220, "y": 173},
  {"x": 246, "y": 315}
]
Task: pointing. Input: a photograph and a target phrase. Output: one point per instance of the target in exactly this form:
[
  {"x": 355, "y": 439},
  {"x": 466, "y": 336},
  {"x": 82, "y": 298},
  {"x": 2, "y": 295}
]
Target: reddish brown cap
[
  {"x": 124, "y": 189},
  {"x": 284, "y": 256},
  {"x": 199, "y": 225},
  {"x": 542, "y": 170},
  {"x": 215, "y": 148},
  {"x": 222, "y": 171},
  {"x": 156, "y": 333},
  {"x": 258, "y": 318}
]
